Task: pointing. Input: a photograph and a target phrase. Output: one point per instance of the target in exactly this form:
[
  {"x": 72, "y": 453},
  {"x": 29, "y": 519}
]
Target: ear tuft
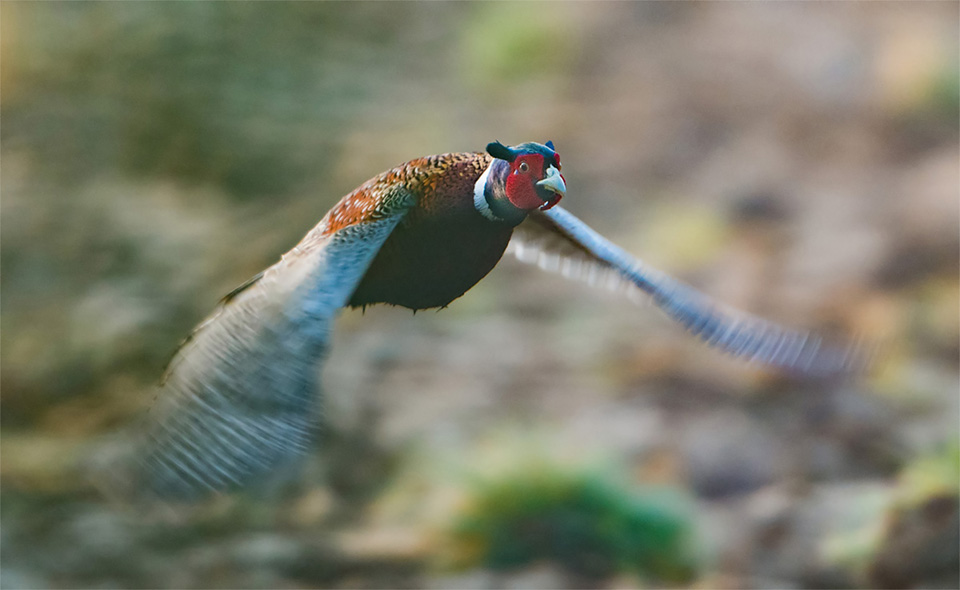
[
  {"x": 549, "y": 144},
  {"x": 500, "y": 151}
]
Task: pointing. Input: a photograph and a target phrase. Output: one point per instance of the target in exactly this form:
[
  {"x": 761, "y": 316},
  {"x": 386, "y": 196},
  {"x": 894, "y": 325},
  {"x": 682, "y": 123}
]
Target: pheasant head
[{"x": 519, "y": 180}]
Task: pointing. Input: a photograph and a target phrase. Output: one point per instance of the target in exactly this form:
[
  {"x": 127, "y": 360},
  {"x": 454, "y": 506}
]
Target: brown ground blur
[{"x": 799, "y": 161}]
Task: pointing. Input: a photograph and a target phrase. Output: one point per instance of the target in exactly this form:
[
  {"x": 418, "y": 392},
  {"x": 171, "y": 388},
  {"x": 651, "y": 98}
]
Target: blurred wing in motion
[
  {"x": 240, "y": 398},
  {"x": 557, "y": 241}
]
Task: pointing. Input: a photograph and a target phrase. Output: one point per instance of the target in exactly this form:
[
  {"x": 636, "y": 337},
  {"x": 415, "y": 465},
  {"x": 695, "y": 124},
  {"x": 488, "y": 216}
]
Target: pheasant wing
[
  {"x": 558, "y": 241},
  {"x": 240, "y": 397}
]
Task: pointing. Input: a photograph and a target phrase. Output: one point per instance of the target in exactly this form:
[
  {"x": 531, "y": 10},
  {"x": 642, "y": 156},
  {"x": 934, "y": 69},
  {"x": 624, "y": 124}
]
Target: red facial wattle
[
  {"x": 521, "y": 182},
  {"x": 527, "y": 185}
]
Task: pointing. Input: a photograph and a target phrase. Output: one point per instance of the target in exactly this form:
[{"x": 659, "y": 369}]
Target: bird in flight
[{"x": 239, "y": 400}]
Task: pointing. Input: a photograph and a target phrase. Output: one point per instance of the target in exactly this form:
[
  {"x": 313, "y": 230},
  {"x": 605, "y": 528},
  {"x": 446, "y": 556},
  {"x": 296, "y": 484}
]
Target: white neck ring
[{"x": 480, "y": 198}]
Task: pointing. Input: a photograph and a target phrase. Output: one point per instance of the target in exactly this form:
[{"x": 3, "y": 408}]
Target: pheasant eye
[{"x": 524, "y": 167}]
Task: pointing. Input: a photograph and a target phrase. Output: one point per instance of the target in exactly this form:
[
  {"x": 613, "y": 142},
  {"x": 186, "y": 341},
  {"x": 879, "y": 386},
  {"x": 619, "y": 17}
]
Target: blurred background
[{"x": 799, "y": 161}]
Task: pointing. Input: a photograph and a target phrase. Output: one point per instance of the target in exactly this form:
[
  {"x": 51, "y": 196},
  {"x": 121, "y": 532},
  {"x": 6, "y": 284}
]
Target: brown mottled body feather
[{"x": 441, "y": 248}]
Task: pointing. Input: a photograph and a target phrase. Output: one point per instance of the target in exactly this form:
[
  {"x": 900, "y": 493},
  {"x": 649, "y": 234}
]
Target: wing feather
[
  {"x": 240, "y": 398},
  {"x": 556, "y": 239}
]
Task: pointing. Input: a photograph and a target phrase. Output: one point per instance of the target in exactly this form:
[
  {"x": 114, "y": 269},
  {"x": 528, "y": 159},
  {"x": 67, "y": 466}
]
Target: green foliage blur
[{"x": 585, "y": 523}]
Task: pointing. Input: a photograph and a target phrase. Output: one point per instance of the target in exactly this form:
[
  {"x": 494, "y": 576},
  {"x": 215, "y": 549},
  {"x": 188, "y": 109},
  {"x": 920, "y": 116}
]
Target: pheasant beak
[{"x": 554, "y": 183}]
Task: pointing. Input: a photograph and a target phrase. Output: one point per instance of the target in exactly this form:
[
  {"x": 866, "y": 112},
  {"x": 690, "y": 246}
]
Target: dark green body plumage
[{"x": 443, "y": 246}]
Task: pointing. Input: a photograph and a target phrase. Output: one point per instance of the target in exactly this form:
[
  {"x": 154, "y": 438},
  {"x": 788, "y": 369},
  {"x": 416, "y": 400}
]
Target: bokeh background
[{"x": 796, "y": 160}]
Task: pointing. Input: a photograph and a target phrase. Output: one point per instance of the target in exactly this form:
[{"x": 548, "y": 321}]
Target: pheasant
[{"x": 239, "y": 399}]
